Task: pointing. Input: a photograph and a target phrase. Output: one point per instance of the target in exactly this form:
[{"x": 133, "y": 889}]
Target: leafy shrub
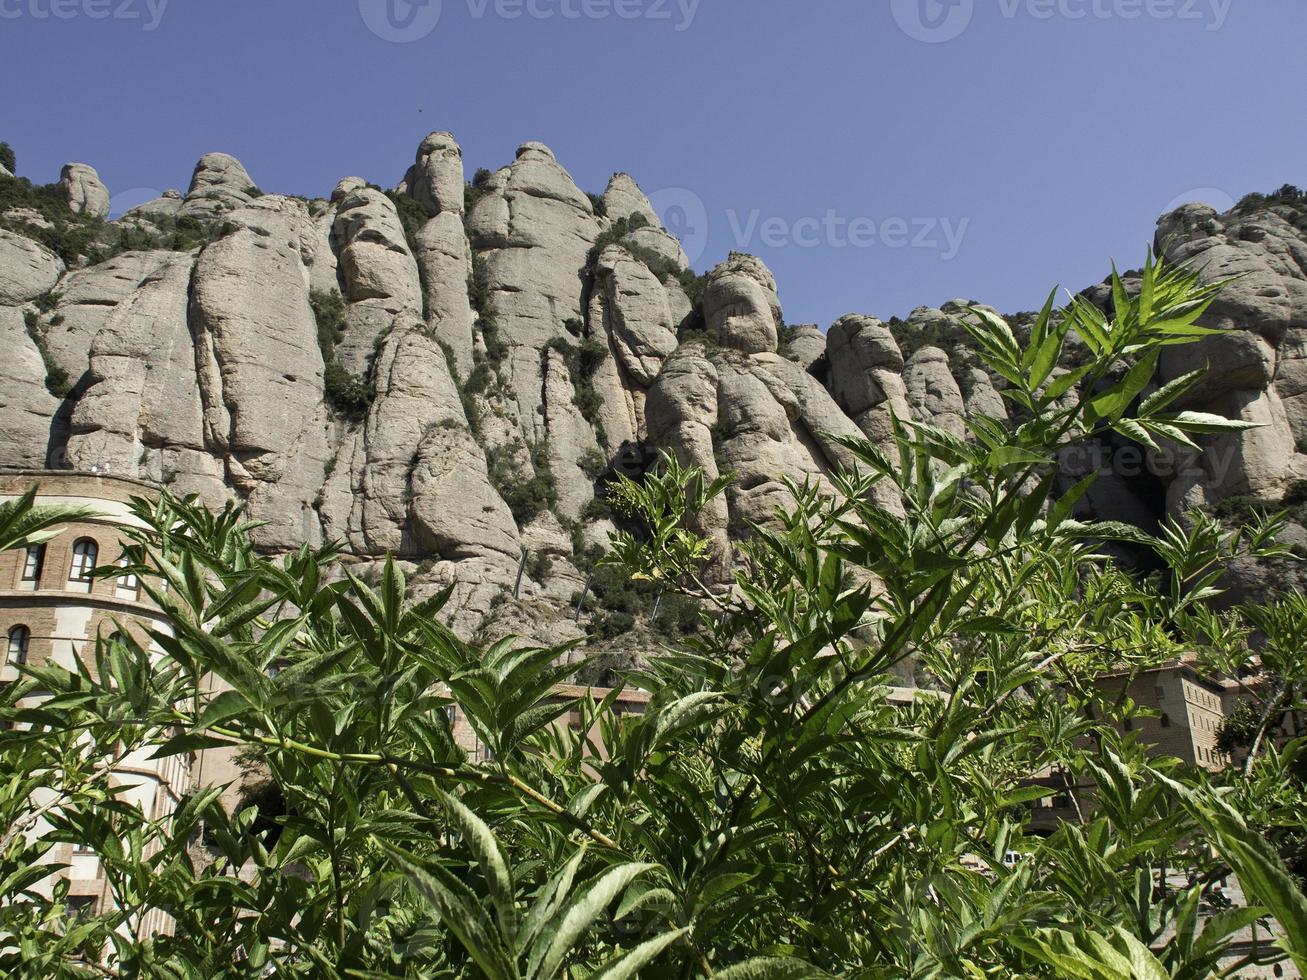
[
  {"x": 597, "y": 202},
  {"x": 593, "y": 463},
  {"x": 619, "y": 602},
  {"x": 482, "y": 299},
  {"x": 57, "y": 381},
  {"x": 47, "y": 302},
  {"x": 8, "y": 159},
  {"x": 477, "y": 383},
  {"x": 538, "y": 566},
  {"x": 346, "y": 392},
  {"x": 72, "y": 235},
  {"x": 1286, "y": 196},
  {"x": 412, "y": 215},
  {"x": 76, "y": 236},
  {"x": 329, "y": 312},
  {"x": 475, "y": 189},
  {"x": 527, "y": 496},
  {"x": 583, "y": 361}
]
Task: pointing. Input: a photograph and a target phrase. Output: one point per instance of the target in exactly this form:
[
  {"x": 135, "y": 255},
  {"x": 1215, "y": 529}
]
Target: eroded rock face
[
  {"x": 758, "y": 415},
  {"x": 436, "y": 180},
  {"x": 203, "y": 371},
  {"x": 27, "y": 270},
  {"x": 412, "y": 481},
  {"x": 533, "y": 229},
  {"x": 220, "y": 183},
  {"x": 85, "y": 191},
  {"x": 807, "y": 345},
  {"x": 1265, "y": 249},
  {"x": 1252, "y": 371},
  {"x": 635, "y": 313},
  {"x": 87, "y": 299},
  {"x": 444, "y": 262},
  {"x": 26, "y": 407},
  {"x": 866, "y": 377},
  {"x": 142, "y": 413},
  {"x": 933, "y": 392},
  {"x": 379, "y": 272},
  {"x": 741, "y": 305},
  {"x": 623, "y": 198},
  {"x": 260, "y": 378}
]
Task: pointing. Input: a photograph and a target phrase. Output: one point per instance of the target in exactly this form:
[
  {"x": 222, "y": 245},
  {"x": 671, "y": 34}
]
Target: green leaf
[
  {"x": 227, "y": 705},
  {"x": 771, "y": 968},
  {"x": 190, "y": 742},
  {"x": 1206, "y": 424},
  {"x": 461, "y": 911},
  {"x": 481, "y": 839},
  {"x": 626, "y": 965},
  {"x": 1169, "y": 392},
  {"x": 580, "y": 914},
  {"x": 1111, "y": 404}
]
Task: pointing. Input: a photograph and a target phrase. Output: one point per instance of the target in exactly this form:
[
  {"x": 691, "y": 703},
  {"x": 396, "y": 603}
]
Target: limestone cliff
[{"x": 443, "y": 371}]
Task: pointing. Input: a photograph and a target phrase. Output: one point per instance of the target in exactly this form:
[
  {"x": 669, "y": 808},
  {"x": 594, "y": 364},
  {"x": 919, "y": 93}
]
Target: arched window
[
  {"x": 85, "y": 554},
  {"x": 20, "y": 637}
]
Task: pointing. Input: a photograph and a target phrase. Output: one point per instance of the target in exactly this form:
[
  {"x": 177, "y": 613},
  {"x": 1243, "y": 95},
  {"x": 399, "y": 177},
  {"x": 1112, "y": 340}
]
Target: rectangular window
[
  {"x": 80, "y": 907},
  {"x": 33, "y": 563},
  {"x": 127, "y": 587}
]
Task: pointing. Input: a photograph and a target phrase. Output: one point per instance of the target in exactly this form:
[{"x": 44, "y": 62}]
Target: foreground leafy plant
[{"x": 773, "y": 813}]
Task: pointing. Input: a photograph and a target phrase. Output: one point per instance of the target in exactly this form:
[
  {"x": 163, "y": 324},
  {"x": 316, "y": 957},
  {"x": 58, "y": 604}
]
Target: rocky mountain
[{"x": 447, "y": 370}]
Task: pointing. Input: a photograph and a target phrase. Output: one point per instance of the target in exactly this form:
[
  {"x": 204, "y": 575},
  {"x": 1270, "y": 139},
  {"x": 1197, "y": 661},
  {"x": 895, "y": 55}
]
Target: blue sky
[{"x": 878, "y": 154}]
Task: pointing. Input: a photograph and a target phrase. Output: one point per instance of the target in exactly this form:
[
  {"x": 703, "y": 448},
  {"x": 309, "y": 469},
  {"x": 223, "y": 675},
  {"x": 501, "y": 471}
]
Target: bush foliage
[{"x": 346, "y": 392}]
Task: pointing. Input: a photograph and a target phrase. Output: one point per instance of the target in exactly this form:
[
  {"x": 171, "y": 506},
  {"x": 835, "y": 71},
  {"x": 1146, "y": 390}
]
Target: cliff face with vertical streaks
[{"x": 445, "y": 371}]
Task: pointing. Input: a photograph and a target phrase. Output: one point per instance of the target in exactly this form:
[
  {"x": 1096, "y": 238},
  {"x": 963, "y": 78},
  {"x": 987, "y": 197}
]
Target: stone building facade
[{"x": 52, "y": 611}]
